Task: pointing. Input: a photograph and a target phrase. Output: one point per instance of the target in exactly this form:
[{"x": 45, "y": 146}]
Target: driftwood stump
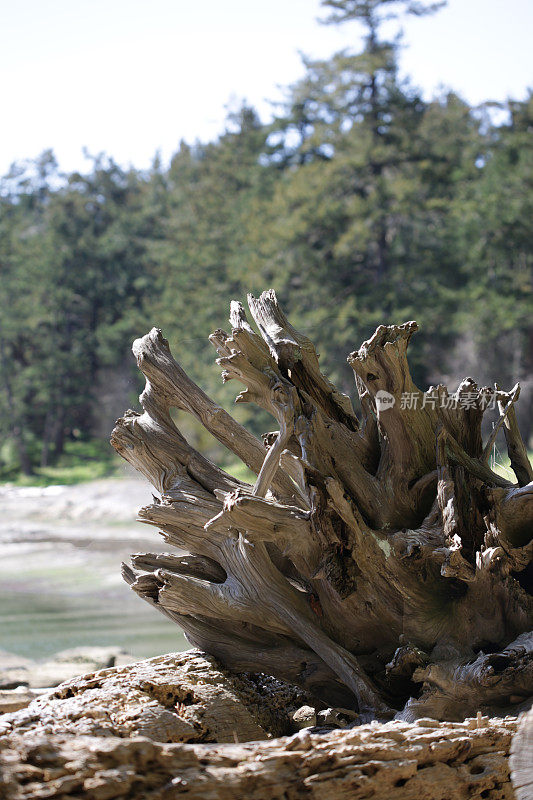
[{"x": 377, "y": 561}]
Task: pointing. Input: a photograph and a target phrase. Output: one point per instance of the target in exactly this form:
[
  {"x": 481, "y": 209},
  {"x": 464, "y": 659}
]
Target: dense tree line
[{"x": 361, "y": 203}]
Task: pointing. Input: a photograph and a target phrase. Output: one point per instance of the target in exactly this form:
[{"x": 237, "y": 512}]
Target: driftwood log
[
  {"x": 377, "y": 561},
  {"x": 179, "y": 697},
  {"x": 180, "y": 726},
  {"x": 394, "y": 761},
  {"x": 521, "y": 761}
]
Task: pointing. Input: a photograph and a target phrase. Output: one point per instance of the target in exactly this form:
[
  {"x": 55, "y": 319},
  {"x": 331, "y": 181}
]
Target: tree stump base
[{"x": 377, "y": 561}]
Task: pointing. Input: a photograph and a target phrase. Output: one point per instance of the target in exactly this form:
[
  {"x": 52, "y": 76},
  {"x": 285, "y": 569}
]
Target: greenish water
[
  {"x": 37, "y": 626},
  {"x": 60, "y": 582}
]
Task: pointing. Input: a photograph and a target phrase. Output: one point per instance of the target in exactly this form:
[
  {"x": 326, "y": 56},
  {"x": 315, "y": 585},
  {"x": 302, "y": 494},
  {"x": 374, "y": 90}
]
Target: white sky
[{"x": 129, "y": 77}]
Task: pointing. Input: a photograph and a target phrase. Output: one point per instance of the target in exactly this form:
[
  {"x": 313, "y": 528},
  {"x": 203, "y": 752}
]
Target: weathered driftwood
[
  {"x": 181, "y": 726},
  {"x": 377, "y": 562},
  {"x": 521, "y": 761},
  {"x": 427, "y": 760},
  {"x": 180, "y": 697}
]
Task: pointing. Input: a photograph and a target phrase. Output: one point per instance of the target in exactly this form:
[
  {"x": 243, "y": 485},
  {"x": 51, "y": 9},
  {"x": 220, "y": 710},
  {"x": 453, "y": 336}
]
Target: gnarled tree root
[{"x": 377, "y": 561}]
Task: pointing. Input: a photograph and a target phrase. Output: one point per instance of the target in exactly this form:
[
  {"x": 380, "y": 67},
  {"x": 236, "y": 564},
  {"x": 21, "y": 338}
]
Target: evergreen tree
[
  {"x": 72, "y": 268},
  {"x": 24, "y": 198},
  {"x": 493, "y": 219},
  {"x": 349, "y": 204},
  {"x": 361, "y": 204}
]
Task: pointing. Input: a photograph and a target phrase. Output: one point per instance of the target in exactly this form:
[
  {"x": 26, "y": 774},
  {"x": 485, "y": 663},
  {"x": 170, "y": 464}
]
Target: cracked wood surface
[
  {"x": 180, "y": 697},
  {"x": 427, "y": 760}
]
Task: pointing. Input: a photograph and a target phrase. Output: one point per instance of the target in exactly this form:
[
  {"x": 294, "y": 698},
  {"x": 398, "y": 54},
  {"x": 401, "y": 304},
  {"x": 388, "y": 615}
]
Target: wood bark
[{"x": 377, "y": 561}]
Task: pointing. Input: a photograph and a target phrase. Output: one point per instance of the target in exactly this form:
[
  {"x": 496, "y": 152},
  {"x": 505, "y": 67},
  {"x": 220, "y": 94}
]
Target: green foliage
[
  {"x": 361, "y": 204},
  {"x": 495, "y": 221},
  {"x": 71, "y": 259}
]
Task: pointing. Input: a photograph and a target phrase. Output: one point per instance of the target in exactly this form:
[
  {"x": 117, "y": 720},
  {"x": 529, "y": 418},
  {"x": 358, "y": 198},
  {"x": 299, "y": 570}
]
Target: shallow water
[
  {"x": 60, "y": 584},
  {"x": 38, "y": 627}
]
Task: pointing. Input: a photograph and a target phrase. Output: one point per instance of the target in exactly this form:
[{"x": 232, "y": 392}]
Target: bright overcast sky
[{"x": 129, "y": 77}]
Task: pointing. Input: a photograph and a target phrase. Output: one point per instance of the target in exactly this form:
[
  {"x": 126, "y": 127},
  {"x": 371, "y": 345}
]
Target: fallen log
[
  {"x": 521, "y": 761},
  {"x": 179, "y": 697},
  {"x": 427, "y": 760},
  {"x": 181, "y": 726}
]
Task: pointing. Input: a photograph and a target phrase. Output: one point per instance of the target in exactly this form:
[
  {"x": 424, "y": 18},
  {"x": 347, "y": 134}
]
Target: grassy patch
[
  {"x": 80, "y": 462},
  {"x": 39, "y": 626}
]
